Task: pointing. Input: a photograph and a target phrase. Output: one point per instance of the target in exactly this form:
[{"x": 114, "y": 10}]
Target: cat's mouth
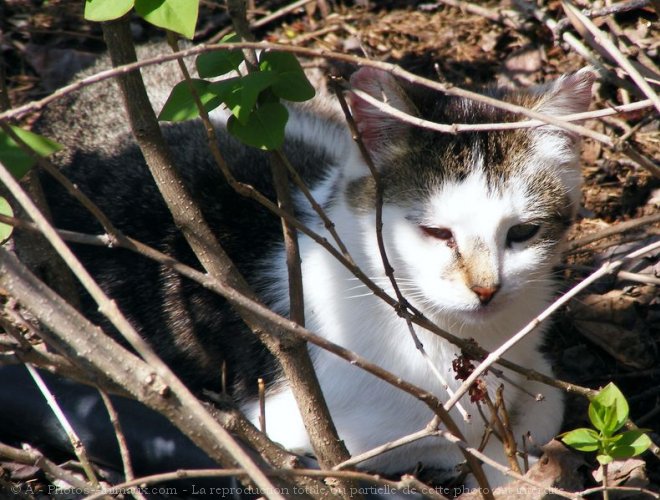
[{"x": 480, "y": 312}]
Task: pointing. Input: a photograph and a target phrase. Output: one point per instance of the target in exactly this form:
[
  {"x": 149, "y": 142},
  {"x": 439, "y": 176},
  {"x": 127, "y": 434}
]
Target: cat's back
[{"x": 102, "y": 158}]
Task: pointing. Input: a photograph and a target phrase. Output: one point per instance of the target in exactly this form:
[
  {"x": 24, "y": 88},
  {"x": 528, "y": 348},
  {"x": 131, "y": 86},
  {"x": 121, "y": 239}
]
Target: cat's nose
[{"x": 485, "y": 293}]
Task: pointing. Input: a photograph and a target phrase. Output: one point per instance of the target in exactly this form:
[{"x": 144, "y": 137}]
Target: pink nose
[{"x": 485, "y": 293}]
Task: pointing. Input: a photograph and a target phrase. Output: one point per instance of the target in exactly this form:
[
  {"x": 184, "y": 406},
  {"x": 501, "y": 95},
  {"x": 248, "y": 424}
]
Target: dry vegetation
[{"x": 611, "y": 331}]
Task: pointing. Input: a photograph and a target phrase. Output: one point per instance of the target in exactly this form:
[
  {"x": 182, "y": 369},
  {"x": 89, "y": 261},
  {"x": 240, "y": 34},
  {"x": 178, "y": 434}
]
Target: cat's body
[{"x": 472, "y": 225}]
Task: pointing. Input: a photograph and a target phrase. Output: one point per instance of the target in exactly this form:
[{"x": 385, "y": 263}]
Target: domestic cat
[{"x": 472, "y": 224}]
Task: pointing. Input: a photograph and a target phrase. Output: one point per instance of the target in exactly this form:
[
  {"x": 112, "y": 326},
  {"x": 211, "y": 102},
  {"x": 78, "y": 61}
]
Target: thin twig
[
  {"x": 76, "y": 443},
  {"x": 640, "y": 159},
  {"x": 623, "y": 489},
  {"x": 508, "y": 439},
  {"x": 606, "y": 489},
  {"x": 427, "y": 431},
  {"x": 456, "y": 128},
  {"x": 258, "y": 23},
  {"x": 307, "y": 52},
  {"x": 279, "y": 13},
  {"x": 328, "y": 224},
  {"x": 638, "y": 278},
  {"x": 290, "y": 235},
  {"x": 262, "y": 404},
  {"x": 121, "y": 441}
]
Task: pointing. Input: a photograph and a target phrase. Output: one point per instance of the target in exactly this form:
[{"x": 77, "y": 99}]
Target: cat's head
[{"x": 473, "y": 221}]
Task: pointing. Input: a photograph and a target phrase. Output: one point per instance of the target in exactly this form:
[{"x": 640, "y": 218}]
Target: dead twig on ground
[
  {"x": 615, "y": 8},
  {"x": 602, "y": 40},
  {"x": 613, "y": 230}
]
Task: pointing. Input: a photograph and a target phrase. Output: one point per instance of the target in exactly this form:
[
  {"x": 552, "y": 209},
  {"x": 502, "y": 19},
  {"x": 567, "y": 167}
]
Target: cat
[{"x": 473, "y": 224}]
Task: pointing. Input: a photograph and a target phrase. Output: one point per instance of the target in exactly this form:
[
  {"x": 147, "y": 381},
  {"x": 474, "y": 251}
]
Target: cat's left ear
[
  {"x": 382, "y": 133},
  {"x": 567, "y": 95}
]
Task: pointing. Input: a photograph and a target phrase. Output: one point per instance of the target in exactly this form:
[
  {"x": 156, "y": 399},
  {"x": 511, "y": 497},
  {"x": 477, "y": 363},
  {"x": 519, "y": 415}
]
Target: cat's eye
[
  {"x": 439, "y": 233},
  {"x": 521, "y": 232}
]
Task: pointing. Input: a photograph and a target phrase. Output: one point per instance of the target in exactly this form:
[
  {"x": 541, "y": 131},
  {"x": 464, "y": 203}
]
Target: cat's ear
[
  {"x": 568, "y": 94},
  {"x": 381, "y": 132}
]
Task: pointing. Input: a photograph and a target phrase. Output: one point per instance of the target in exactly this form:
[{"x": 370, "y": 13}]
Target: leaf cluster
[
  {"x": 608, "y": 412},
  {"x": 179, "y": 16},
  {"x": 258, "y": 118}
]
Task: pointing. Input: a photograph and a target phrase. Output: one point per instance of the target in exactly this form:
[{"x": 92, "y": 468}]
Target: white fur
[{"x": 367, "y": 411}]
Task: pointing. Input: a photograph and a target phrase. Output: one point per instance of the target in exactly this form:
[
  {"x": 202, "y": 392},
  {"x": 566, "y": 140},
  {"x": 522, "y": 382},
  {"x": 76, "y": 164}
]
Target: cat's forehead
[{"x": 473, "y": 200}]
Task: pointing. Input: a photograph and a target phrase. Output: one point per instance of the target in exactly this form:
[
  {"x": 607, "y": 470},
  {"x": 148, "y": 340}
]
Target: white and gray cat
[{"x": 473, "y": 225}]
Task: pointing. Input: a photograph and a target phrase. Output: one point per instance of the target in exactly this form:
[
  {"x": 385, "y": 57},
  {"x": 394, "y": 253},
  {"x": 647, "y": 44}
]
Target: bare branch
[
  {"x": 306, "y": 52},
  {"x": 456, "y": 128},
  {"x": 292, "y": 355}
]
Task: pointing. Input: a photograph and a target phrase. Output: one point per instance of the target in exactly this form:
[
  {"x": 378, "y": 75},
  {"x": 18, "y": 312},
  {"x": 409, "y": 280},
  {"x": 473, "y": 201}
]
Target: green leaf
[
  {"x": 608, "y": 410},
  {"x": 180, "y": 105},
  {"x": 629, "y": 444},
  {"x": 17, "y": 161},
  {"x": 179, "y": 16},
  {"x": 240, "y": 94},
  {"x": 106, "y": 10},
  {"x": 582, "y": 439},
  {"x": 291, "y": 83},
  {"x": 264, "y": 129},
  {"x": 604, "y": 459},
  {"x": 602, "y": 417},
  {"x": 220, "y": 62},
  {"x": 5, "y": 229}
]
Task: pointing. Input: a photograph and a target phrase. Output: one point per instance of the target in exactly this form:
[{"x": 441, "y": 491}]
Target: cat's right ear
[
  {"x": 382, "y": 133},
  {"x": 568, "y": 94}
]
